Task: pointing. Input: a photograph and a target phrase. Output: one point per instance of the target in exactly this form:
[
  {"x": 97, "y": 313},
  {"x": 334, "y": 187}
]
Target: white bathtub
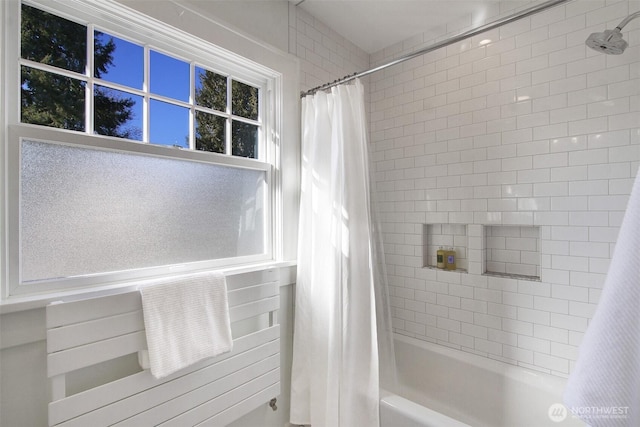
[{"x": 443, "y": 387}]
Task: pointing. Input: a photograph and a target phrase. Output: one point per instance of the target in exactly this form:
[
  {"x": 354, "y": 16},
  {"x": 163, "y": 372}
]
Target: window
[
  {"x": 83, "y": 78},
  {"x": 134, "y": 150},
  {"x": 131, "y": 211}
]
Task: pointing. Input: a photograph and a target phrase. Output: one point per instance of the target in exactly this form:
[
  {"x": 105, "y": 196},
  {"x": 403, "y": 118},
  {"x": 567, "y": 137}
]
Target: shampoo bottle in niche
[
  {"x": 440, "y": 257},
  {"x": 450, "y": 259}
]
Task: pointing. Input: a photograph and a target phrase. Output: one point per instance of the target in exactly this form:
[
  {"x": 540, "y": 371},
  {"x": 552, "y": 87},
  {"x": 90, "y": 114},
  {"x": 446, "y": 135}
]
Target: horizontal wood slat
[
  {"x": 214, "y": 406},
  {"x": 214, "y": 391},
  {"x": 59, "y": 314},
  {"x": 195, "y": 398},
  {"x": 235, "y": 281},
  {"x": 202, "y": 384},
  {"x": 94, "y": 330},
  {"x": 252, "y": 293},
  {"x": 106, "y": 394},
  {"x": 245, "y": 311},
  {"x": 76, "y": 358},
  {"x": 119, "y": 328},
  {"x": 86, "y": 310},
  {"x": 239, "y": 409}
]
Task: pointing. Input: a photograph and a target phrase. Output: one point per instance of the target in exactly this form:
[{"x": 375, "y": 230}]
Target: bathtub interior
[
  {"x": 475, "y": 390},
  {"x": 396, "y": 411}
]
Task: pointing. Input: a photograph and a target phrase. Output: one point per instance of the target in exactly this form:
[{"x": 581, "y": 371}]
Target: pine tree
[
  {"x": 54, "y": 100},
  {"x": 244, "y": 101},
  {"x": 210, "y": 129}
]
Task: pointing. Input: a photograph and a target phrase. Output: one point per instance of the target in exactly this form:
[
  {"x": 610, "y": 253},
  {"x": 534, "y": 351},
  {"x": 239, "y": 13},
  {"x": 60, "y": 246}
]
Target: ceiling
[{"x": 375, "y": 24}]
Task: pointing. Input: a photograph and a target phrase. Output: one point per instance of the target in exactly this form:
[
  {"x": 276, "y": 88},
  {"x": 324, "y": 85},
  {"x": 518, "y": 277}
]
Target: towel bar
[{"x": 100, "y": 332}]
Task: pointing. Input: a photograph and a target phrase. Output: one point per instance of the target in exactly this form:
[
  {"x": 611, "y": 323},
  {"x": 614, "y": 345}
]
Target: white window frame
[
  {"x": 252, "y": 79},
  {"x": 121, "y": 21}
]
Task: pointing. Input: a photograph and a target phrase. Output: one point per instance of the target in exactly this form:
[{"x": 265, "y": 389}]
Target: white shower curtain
[{"x": 335, "y": 354}]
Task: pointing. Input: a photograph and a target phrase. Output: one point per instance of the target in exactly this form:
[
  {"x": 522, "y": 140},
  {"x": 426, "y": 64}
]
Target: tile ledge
[
  {"x": 512, "y": 276},
  {"x": 457, "y": 270}
]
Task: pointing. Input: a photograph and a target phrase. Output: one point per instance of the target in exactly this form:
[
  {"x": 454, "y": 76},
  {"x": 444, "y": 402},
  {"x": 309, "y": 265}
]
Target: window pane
[
  {"x": 244, "y": 100},
  {"x": 169, "y": 76},
  {"x": 87, "y": 211},
  {"x": 244, "y": 139},
  {"x": 210, "y": 132},
  {"x": 118, "y": 61},
  {"x": 211, "y": 89},
  {"x": 117, "y": 113},
  {"x": 169, "y": 124},
  {"x": 52, "y": 40},
  {"x": 50, "y": 99}
]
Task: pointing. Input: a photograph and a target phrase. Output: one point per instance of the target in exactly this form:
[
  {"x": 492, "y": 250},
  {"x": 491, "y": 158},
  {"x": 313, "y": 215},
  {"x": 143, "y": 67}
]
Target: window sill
[{"x": 30, "y": 302}]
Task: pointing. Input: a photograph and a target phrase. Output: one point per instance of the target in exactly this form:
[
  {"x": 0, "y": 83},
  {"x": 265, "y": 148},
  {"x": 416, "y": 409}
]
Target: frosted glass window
[{"x": 87, "y": 211}]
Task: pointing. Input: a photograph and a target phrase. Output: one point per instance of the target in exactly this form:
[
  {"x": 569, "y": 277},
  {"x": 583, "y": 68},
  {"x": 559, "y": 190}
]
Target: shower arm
[{"x": 626, "y": 20}]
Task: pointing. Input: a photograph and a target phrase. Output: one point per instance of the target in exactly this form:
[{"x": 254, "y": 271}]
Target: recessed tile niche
[
  {"x": 445, "y": 235},
  {"x": 512, "y": 251}
]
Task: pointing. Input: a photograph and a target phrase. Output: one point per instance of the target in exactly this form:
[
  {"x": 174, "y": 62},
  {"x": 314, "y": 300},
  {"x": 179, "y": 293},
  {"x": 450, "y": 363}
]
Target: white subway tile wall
[
  {"x": 525, "y": 128},
  {"x": 324, "y": 54},
  {"x": 519, "y": 126}
]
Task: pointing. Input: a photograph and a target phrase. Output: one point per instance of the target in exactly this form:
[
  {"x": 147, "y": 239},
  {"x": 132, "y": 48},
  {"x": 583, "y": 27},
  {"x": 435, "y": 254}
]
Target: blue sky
[{"x": 169, "y": 77}]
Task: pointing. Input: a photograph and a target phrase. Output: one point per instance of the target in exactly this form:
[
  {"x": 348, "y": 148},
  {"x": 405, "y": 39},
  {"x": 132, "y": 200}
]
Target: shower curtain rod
[{"x": 453, "y": 39}]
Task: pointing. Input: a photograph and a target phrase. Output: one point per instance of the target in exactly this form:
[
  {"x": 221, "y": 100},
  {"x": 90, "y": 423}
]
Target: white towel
[
  {"x": 186, "y": 320},
  {"x": 604, "y": 387}
]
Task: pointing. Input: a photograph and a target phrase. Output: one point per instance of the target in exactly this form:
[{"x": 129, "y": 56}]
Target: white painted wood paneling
[{"x": 215, "y": 391}]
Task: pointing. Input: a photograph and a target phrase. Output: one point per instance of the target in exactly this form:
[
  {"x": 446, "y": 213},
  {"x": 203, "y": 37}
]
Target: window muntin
[{"x": 175, "y": 86}]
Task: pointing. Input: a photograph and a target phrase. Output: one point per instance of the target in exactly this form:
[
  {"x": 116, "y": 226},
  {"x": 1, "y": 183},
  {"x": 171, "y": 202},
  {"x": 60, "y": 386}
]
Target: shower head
[{"x": 610, "y": 41}]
